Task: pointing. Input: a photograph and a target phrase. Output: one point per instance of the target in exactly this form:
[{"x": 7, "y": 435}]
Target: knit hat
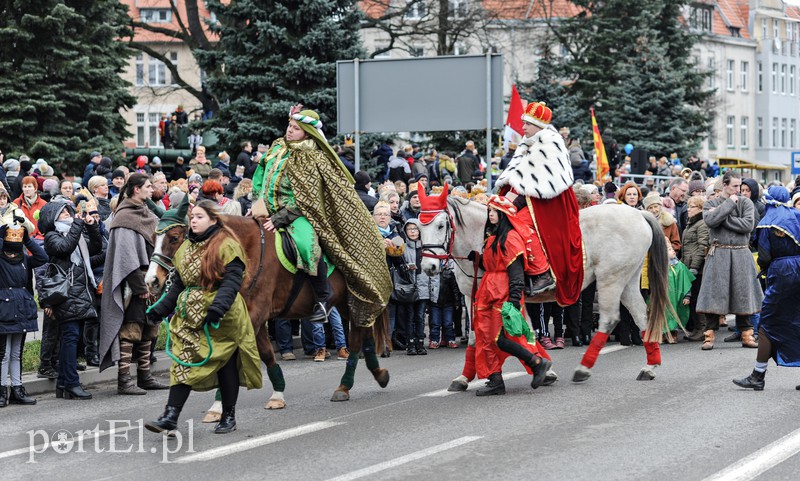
[
  {"x": 46, "y": 170},
  {"x": 24, "y": 158},
  {"x": 795, "y": 197},
  {"x": 195, "y": 178},
  {"x": 412, "y": 194},
  {"x": 118, "y": 173},
  {"x": 50, "y": 185},
  {"x": 11, "y": 165},
  {"x": 609, "y": 187},
  {"x": 420, "y": 175},
  {"x": 651, "y": 199},
  {"x": 696, "y": 185},
  {"x": 156, "y": 161},
  {"x": 24, "y": 166},
  {"x": 718, "y": 184}
]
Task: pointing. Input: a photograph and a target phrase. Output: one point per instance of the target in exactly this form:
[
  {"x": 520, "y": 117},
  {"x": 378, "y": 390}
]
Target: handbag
[
  {"x": 53, "y": 287},
  {"x": 404, "y": 291}
]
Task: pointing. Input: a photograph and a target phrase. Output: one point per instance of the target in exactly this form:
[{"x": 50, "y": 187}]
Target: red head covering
[{"x": 431, "y": 206}]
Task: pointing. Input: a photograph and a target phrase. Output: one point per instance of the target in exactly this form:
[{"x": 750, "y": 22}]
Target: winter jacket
[
  {"x": 60, "y": 247},
  {"x": 466, "y": 164},
  {"x": 17, "y": 307},
  {"x": 427, "y": 287},
  {"x": 367, "y": 199},
  {"x": 31, "y": 211},
  {"x": 670, "y": 228},
  {"x": 582, "y": 172},
  {"x": 695, "y": 243}
]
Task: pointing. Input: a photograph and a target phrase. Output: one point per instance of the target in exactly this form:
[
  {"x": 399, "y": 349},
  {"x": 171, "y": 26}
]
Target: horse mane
[{"x": 456, "y": 203}]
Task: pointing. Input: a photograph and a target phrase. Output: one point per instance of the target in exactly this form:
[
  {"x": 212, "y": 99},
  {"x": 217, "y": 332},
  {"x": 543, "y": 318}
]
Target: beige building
[{"x": 156, "y": 93}]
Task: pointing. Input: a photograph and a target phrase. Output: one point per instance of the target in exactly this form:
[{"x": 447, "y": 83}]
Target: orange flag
[{"x": 599, "y": 149}]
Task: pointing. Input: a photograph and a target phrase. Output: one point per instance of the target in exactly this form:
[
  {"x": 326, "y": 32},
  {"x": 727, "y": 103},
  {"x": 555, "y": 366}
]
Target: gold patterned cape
[{"x": 347, "y": 232}]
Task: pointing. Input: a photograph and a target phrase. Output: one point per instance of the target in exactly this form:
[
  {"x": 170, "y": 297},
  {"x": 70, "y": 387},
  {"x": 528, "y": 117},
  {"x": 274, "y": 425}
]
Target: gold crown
[{"x": 15, "y": 235}]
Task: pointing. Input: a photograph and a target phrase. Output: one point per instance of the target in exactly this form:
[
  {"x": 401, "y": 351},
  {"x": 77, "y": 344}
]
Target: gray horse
[{"x": 617, "y": 239}]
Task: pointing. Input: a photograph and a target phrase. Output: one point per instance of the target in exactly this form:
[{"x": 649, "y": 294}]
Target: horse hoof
[
  {"x": 458, "y": 386},
  {"x": 340, "y": 395},
  {"x": 550, "y": 378},
  {"x": 382, "y": 376},
  {"x": 581, "y": 374},
  {"x": 275, "y": 404},
  {"x": 212, "y": 417},
  {"x": 646, "y": 375}
]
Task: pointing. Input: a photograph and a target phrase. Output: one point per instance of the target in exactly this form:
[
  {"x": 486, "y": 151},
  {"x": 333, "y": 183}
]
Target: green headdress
[
  {"x": 309, "y": 121},
  {"x": 174, "y": 217}
]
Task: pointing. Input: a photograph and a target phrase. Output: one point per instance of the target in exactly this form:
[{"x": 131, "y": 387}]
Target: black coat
[
  {"x": 17, "y": 307},
  {"x": 367, "y": 199},
  {"x": 59, "y": 247}
]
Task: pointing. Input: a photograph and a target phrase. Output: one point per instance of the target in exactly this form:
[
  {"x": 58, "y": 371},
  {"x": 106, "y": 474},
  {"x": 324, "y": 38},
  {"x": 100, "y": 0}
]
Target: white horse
[{"x": 616, "y": 240}]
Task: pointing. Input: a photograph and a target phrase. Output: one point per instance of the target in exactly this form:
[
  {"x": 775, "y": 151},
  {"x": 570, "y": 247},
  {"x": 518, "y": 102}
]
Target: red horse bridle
[{"x": 447, "y": 247}]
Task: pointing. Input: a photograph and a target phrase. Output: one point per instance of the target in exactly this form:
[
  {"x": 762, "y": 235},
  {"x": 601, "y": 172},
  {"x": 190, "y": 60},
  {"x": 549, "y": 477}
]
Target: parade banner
[{"x": 599, "y": 149}]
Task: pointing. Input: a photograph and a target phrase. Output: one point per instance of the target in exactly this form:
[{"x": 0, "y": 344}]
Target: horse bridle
[{"x": 447, "y": 246}]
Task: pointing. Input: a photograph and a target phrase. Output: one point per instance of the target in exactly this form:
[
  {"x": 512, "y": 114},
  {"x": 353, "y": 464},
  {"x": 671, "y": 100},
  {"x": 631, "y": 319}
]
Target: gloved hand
[
  {"x": 473, "y": 255},
  {"x": 19, "y": 219},
  {"x": 25, "y": 236},
  {"x": 693, "y": 271},
  {"x": 3, "y": 229},
  {"x": 212, "y": 318},
  {"x": 153, "y": 318},
  {"x": 515, "y": 304}
]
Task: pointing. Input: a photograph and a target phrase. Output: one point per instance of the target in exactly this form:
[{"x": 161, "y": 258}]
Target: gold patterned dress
[{"x": 188, "y": 338}]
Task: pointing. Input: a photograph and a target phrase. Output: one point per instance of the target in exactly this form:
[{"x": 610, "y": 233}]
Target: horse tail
[
  {"x": 380, "y": 331},
  {"x": 657, "y": 275}
]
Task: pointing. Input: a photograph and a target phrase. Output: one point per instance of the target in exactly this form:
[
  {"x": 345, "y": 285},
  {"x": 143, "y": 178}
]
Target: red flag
[
  {"x": 599, "y": 149},
  {"x": 515, "y": 111}
]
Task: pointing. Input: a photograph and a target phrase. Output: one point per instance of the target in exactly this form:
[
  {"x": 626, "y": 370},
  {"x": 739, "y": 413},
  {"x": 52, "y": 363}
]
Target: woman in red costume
[{"x": 503, "y": 260}]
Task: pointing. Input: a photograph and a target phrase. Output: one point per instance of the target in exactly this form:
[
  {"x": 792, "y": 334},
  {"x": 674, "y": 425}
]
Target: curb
[{"x": 35, "y": 385}]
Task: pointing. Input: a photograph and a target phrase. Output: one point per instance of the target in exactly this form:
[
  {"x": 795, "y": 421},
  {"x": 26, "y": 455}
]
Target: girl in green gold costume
[
  {"x": 210, "y": 267},
  {"x": 307, "y": 191}
]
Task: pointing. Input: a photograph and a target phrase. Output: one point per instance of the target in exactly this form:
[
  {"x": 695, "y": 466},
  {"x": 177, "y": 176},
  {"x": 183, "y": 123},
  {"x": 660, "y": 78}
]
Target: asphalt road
[{"x": 690, "y": 423}]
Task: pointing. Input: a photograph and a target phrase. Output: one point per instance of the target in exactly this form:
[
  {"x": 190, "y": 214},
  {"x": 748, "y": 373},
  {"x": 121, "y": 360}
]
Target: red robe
[{"x": 489, "y": 299}]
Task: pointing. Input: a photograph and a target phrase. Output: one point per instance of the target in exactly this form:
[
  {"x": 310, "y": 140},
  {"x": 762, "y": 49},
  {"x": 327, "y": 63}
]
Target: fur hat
[
  {"x": 696, "y": 185},
  {"x": 651, "y": 199}
]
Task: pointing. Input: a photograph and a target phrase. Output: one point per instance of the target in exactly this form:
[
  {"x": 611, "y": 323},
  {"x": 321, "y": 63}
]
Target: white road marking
[
  {"x": 445, "y": 392},
  {"x": 760, "y": 461},
  {"x": 610, "y": 349},
  {"x": 360, "y": 473},
  {"x": 75, "y": 439},
  {"x": 257, "y": 442}
]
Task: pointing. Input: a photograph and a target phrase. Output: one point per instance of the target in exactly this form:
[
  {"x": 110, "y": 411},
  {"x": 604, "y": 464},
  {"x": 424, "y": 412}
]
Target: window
[
  {"x": 140, "y": 130},
  {"x": 417, "y": 51},
  {"x": 794, "y": 32},
  {"x": 791, "y": 79},
  {"x": 460, "y": 49},
  {"x": 783, "y": 79},
  {"x": 416, "y": 10},
  {"x": 729, "y": 131},
  {"x": 712, "y": 69},
  {"x": 788, "y": 31},
  {"x": 152, "y": 129},
  {"x": 140, "y": 69},
  {"x": 381, "y": 46},
  {"x": 774, "y": 78},
  {"x": 763, "y": 28},
  {"x": 783, "y": 133},
  {"x": 156, "y": 72},
  {"x": 776, "y": 31},
  {"x": 729, "y": 75},
  {"x": 155, "y": 15},
  {"x": 774, "y": 131},
  {"x": 457, "y": 9},
  {"x": 760, "y": 132},
  {"x": 792, "y": 132},
  {"x": 743, "y": 74},
  {"x": 745, "y": 132},
  {"x": 759, "y": 78}
]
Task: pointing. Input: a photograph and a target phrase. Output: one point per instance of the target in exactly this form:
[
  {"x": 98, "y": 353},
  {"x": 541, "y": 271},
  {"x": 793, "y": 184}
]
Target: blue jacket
[{"x": 17, "y": 307}]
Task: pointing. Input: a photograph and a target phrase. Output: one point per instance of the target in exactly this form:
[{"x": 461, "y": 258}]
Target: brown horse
[{"x": 266, "y": 293}]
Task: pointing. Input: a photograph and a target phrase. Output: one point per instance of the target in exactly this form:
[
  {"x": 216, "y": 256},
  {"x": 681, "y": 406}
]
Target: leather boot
[
  {"x": 77, "y": 392},
  {"x": 227, "y": 422},
  {"x": 125, "y": 384},
  {"x": 322, "y": 291},
  {"x": 3, "y": 397},
  {"x": 540, "y": 283},
  {"x": 494, "y": 386},
  {"x": 144, "y": 376},
  {"x": 168, "y": 421},
  {"x": 411, "y": 347},
  {"x": 19, "y": 396},
  {"x": 539, "y": 366},
  {"x": 754, "y": 381},
  {"x": 748, "y": 340},
  {"x": 699, "y": 326},
  {"x": 708, "y": 342}
]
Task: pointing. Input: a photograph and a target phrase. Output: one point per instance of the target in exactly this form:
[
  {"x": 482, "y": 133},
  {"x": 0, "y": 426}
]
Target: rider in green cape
[{"x": 308, "y": 192}]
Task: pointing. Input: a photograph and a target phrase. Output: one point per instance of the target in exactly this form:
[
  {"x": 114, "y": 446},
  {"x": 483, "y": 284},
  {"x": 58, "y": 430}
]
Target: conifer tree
[{"x": 273, "y": 54}]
